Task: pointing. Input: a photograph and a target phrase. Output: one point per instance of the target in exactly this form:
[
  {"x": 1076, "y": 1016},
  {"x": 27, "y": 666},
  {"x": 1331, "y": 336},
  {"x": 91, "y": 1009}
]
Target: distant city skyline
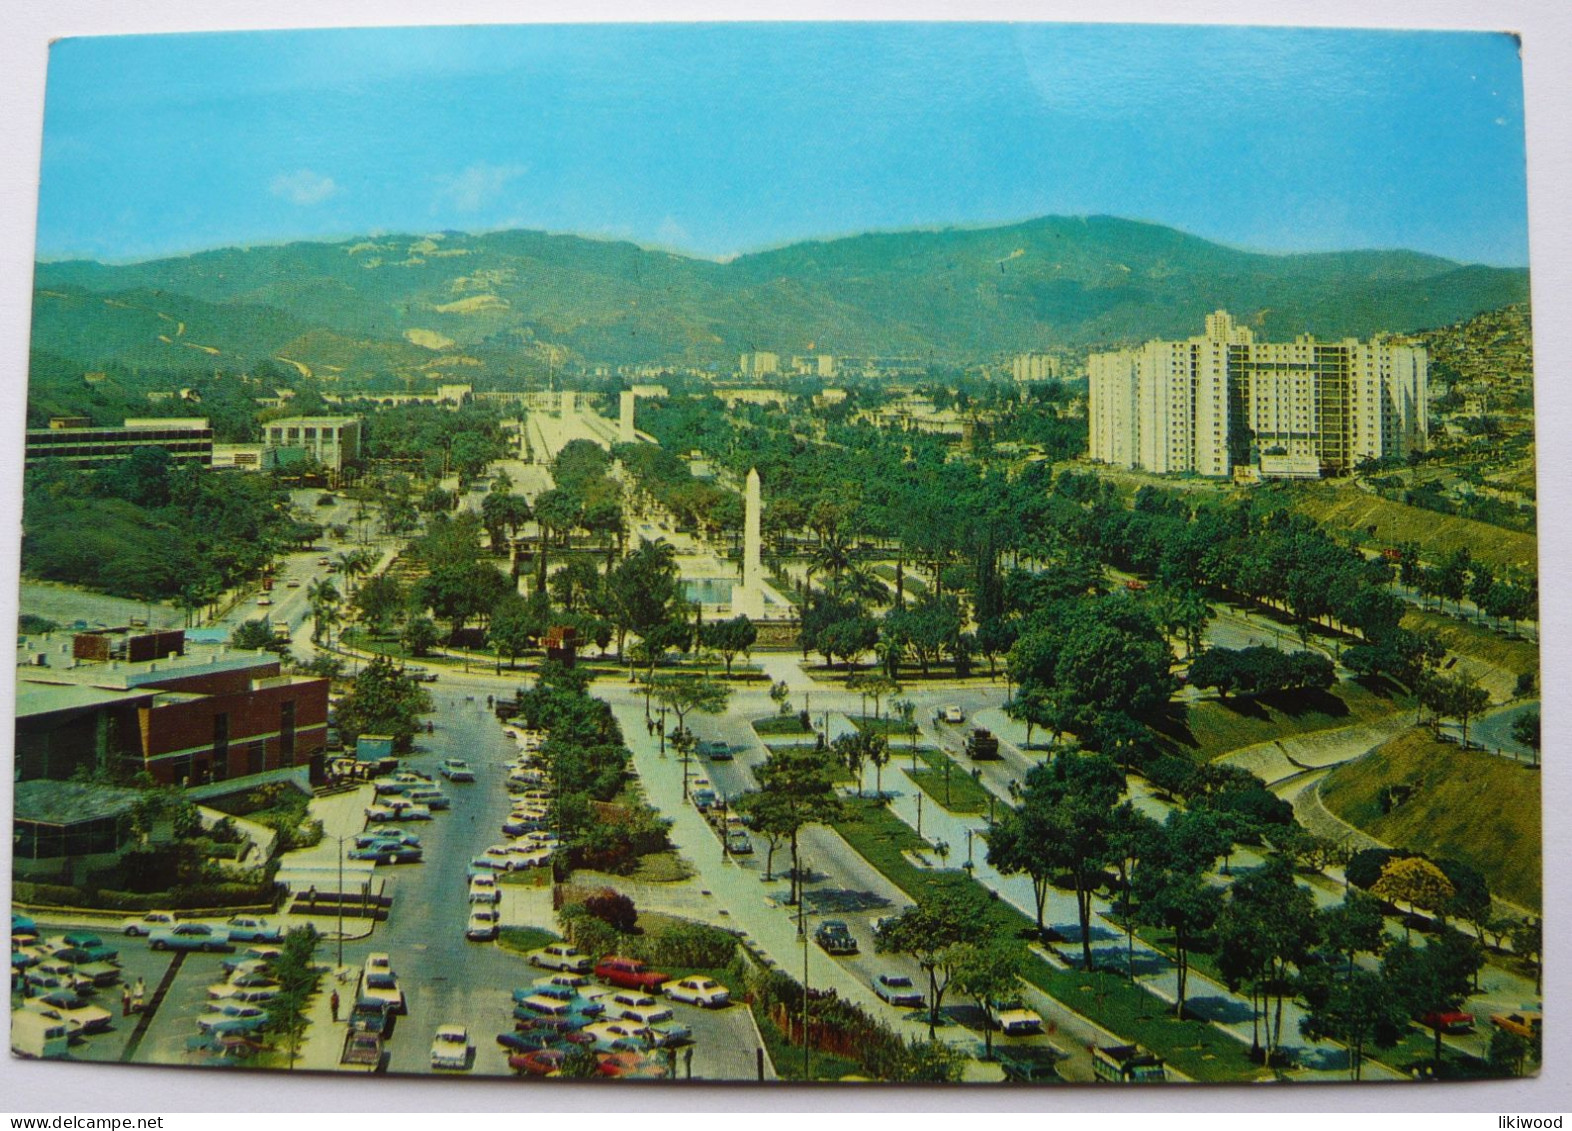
[{"x": 717, "y": 140}]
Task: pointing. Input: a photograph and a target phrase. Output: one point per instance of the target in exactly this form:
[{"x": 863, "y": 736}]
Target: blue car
[{"x": 189, "y": 936}]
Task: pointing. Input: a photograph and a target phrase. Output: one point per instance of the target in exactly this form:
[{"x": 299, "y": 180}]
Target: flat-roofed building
[
  {"x": 332, "y": 441},
  {"x": 186, "y": 439},
  {"x": 205, "y": 716}
]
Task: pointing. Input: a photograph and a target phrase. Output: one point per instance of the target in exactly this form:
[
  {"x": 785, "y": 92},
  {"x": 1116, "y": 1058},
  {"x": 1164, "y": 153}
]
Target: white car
[
  {"x": 698, "y": 990},
  {"x": 629, "y": 1032},
  {"x": 953, "y": 714},
  {"x": 451, "y": 1048},
  {"x": 148, "y": 923},
  {"x": 456, "y": 769},
  {"x": 483, "y": 924},
  {"x": 78, "y": 1014},
  {"x": 1015, "y": 1019},
  {"x": 561, "y": 956},
  {"x": 630, "y": 1005},
  {"x": 484, "y": 889}
]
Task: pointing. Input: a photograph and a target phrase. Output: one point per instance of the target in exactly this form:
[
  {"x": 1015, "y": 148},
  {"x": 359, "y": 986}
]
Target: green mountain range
[{"x": 452, "y": 305}]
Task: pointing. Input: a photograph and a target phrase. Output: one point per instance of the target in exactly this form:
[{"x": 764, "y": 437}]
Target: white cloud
[
  {"x": 303, "y": 187},
  {"x": 476, "y": 187}
]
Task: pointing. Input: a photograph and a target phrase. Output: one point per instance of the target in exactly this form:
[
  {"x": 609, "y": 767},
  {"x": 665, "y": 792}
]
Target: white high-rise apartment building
[{"x": 1224, "y": 400}]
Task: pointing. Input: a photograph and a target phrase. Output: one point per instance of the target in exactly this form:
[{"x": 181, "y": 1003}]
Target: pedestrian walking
[
  {"x": 139, "y": 996},
  {"x": 125, "y": 1001},
  {"x": 334, "y": 1002}
]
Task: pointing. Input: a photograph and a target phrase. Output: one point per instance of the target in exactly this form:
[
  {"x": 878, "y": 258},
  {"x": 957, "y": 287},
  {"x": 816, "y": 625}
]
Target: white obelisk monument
[
  {"x": 748, "y": 598},
  {"x": 625, "y": 433}
]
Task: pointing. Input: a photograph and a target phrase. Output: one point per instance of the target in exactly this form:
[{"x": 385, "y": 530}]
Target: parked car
[
  {"x": 80, "y": 1015},
  {"x": 897, "y": 989},
  {"x": 147, "y": 923},
  {"x": 370, "y": 1015},
  {"x": 629, "y": 974},
  {"x": 97, "y": 950},
  {"x": 249, "y": 991},
  {"x": 451, "y": 1048},
  {"x": 252, "y": 959},
  {"x": 698, "y": 990},
  {"x": 484, "y": 889},
  {"x": 739, "y": 843},
  {"x": 390, "y": 854},
  {"x": 56, "y": 975},
  {"x": 391, "y": 832},
  {"x": 455, "y": 769},
  {"x": 1014, "y": 1018},
  {"x": 560, "y": 956},
  {"x": 1523, "y": 1022},
  {"x": 538, "y": 1062},
  {"x": 189, "y": 936},
  {"x": 704, "y": 800},
  {"x": 617, "y": 1036},
  {"x": 383, "y": 987},
  {"x": 835, "y": 937},
  {"x": 1449, "y": 1021},
  {"x": 218, "y": 1025},
  {"x": 433, "y": 799},
  {"x": 483, "y": 924},
  {"x": 247, "y": 928},
  {"x": 631, "y": 1005},
  {"x": 22, "y": 927}
]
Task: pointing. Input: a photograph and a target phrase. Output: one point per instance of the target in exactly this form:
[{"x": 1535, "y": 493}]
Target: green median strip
[{"x": 1194, "y": 1048}]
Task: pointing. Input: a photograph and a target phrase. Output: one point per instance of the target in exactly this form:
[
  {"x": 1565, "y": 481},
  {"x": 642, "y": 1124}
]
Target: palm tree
[{"x": 324, "y": 599}]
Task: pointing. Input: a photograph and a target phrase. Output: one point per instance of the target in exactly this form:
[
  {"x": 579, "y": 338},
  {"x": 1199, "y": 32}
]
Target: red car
[
  {"x": 538, "y": 1062},
  {"x": 630, "y": 1065},
  {"x": 630, "y": 974},
  {"x": 1451, "y": 1021}
]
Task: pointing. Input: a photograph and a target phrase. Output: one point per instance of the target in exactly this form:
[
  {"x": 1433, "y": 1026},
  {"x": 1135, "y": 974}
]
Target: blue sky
[{"x": 720, "y": 139}]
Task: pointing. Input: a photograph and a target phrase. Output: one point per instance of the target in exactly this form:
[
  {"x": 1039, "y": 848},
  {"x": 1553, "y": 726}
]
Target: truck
[
  {"x": 374, "y": 747},
  {"x": 1127, "y": 1064},
  {"x": 981, "y": 745},
  {"x": 362, "y": 1052}
]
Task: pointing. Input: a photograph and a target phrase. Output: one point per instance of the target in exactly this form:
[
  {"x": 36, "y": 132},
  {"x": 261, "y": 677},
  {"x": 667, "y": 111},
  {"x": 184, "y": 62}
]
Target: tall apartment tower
[{"x": 1223, "y": 400}]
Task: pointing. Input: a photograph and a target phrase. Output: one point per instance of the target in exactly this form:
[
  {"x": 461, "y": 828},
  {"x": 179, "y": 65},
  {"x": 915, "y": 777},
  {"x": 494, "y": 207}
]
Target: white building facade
[{"x": 1224, "y": 401}]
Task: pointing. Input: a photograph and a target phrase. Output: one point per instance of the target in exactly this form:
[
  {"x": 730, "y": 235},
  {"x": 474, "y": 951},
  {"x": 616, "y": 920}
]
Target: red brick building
[{"x": 187, "y": 719}]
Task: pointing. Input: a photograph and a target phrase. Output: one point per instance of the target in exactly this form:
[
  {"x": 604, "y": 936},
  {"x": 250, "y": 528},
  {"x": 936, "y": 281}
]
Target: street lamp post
[
  {"x": 802, "y": 930},
  {"x": 919, "y": 812},
  {"x": 969, "y": 848}
]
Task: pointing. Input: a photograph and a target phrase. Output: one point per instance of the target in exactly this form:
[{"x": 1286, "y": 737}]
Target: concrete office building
[
  {"x": 187, "y": 439},
  {"x": 332, "y": 441},
  {"x": 1223, "y": 404}
]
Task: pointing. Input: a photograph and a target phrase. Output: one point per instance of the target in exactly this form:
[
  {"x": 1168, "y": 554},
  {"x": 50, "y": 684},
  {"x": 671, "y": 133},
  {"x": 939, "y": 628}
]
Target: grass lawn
[
  {"x": 1195, "y": 1048},
  {"x": 526, "y": 878},
  {"x": 1476, "y": 641},
  {"x": 1437, "y": 534},
  {"x": 910, "y": 582},
  {"x": 1213, "y": 727},
  {"x": 1464, "y": 804},
  {"x": 956, "y": 790},
  {"x": 787, "y": 1058},
  {"x": 780, "y": 725},
  {"x": 661, "y": 868},
  {"x": 891, "y": 728},
  {"x": 522, "y": 940}
]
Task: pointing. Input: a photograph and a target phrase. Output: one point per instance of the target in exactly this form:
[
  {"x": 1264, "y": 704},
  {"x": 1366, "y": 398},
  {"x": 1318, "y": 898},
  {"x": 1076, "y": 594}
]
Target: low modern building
[
  {"x": 186, "y": 439},
  {"x": 332, "y": 441},
  {"x": 193, "y": 717}
]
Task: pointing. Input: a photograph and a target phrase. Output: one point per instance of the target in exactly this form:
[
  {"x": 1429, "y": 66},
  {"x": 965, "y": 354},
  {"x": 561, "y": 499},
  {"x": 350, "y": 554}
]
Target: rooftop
[{"x": 46, "y": 802}]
